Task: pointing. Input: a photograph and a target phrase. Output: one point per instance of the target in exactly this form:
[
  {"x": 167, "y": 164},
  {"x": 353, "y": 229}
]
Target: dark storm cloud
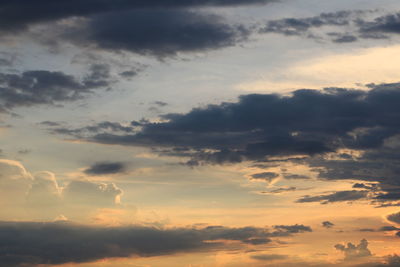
[
  {"x": 19, "y": 14},
  {"x": 30, "y": 243},
  {"x": 103, "y": 168},
  {"x": 49, "y": 87},
  {"x": 158, "y": 32},
  {"x": 339, "y": 196},
  {"x": 327, "y": 224}
]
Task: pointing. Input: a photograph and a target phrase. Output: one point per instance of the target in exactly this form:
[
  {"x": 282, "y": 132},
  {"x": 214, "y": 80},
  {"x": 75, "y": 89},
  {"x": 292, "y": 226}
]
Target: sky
[{"x": 199, "y": 133}]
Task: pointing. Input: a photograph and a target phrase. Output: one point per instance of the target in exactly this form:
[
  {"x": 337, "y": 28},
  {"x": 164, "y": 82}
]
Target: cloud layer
[{"x": 33, "y": 243}]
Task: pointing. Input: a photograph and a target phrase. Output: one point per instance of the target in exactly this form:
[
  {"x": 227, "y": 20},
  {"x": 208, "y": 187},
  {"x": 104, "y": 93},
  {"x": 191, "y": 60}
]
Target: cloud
[
  {"x": 267, "y": 176},
  {"x": 15, "y": 182},
  {"x": 44, "y": 191},
  {"x": 293, "y": 229},
  {"x": 103, "y": 168},
  {"x": 395, "y": 217},
  {"x": 40, "y": 87},
  {"x": 158, "y": 32},
  {"x": 327, "y": 224},
  {"x": 41, "y": 195},
  {"x": 295, "y": 176},
  {"x": 281, "y": 190},
  {"x": 387, "y": 24},
  {"x": 158, "y": 28},
  {"x": 349, "y": 26},
  {"x": 355, "y": 251},
  {"x": 89, "y": 193},
  {"x": 389, "y": 228},
  {"x": 15, "y": 16},
  {"x": 262, "y": 126},
  {"x": 309, "y": 127},
  {"x": 301, "y": 26},
  {"x": 34, "y": 243},
  {"x": 269, "y": 257},
  {"x": 339, "y": 196}
]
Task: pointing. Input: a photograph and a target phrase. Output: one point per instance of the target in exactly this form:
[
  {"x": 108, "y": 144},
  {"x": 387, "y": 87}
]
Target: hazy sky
[{"x": 199, "y": 133}]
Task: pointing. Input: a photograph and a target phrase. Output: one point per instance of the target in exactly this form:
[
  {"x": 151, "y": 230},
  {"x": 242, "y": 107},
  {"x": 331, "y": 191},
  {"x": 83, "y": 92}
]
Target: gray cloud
[
  {"x": 301, "y": 26},
  {"x": 327, "y": 224},
  {"x": 269, "y": 257},
  {"x": 339, "y": 196},
  {"x": 30, "y": 243},
  {"x": 293, "y": 229},
  {"x": 18, "y": 15},
  {"x": 395, "y": 217},
  {"x": 103, "y": 168},
  {"x": 158, "y": 32},
  {"x": 267, "y": 176},
  {"x": 259, "y": 127},
  {"x": 295, "y": 176},
  {"x": 281, "y": 190},
  {"x": 350, "y": 26},
  {"x": 387, "y": 24},
  {"x": 49, "y": 87},
  {"x": 157, "y": 28},
  {"x": 389, "y": 228},
  {"x": 160, "y": 103}
]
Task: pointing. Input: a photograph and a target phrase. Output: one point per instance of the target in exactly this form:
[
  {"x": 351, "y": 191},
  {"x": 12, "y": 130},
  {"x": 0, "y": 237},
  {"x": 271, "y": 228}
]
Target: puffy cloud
[
  {"x": 44, "y": 190},
  {"x": 90, "y": 193},
  {"x": 15, "y": 182},
  {"x": 32, "y": 243},
  {"x": 355, "y": 251},
  {"x": 41, "y": 197}
]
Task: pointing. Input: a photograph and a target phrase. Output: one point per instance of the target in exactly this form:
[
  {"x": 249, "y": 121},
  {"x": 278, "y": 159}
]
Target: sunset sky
[{"x": 199, "y": 133}]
